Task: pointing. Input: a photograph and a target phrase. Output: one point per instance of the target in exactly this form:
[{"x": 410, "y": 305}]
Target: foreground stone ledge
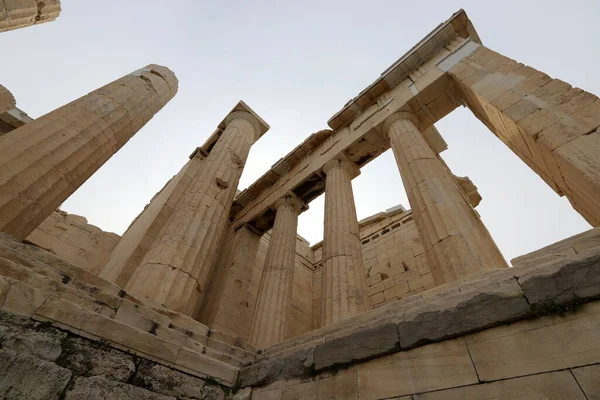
[{"x": 496, "y": 298}]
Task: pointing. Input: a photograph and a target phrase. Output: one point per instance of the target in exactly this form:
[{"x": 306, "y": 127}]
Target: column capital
[
  {"x": 397, "y": 116},
  {"x": 342, "y": 162},
  {"x": 246, "y": 116},
  {"x": 292, "y": 200}
]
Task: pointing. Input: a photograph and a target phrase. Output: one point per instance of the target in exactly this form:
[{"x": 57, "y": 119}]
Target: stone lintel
[
  {"x": 199, "y": 152},
  {"x": 458, "y": 25}
]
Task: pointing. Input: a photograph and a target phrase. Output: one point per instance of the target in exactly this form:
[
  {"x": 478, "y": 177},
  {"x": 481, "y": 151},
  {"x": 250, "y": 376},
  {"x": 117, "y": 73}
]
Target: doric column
[
  {"x": 136, "y": 241},
  {"x": 229, "y": 305},
  {"x": 176, "y": 269},
  {"x": 22, "y": 13},
  {"x": 455, "y": 240},
  {"x": 43, "y": 162},
  {"x": 275, "y": 292},
  {"x": 344, "y": 289}
]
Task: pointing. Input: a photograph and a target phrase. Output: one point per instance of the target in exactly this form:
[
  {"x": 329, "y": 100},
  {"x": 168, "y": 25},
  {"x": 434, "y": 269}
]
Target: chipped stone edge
[{"x": 558, "y": 286}]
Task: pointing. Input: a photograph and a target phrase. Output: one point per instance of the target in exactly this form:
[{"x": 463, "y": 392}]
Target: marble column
[
  {"x": 23, "y": 13},
  {"x": 7, "y": 100},
  {"x": 43, "y": 162},
  {"x": 455, "y": 239},
  {"x": 275, "y": 291},
  {"x": 229, "y": 304},
  {"x": 176, "y": 269},
  {"x": 137, "y": 240},
  {"x": 344, "y": 288}
]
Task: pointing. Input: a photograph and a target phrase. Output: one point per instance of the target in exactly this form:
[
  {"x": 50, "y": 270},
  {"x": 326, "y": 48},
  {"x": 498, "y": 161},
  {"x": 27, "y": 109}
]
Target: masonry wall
[
  {"x": 555, "y": 357},
  {"x": 73, "y": 239}
]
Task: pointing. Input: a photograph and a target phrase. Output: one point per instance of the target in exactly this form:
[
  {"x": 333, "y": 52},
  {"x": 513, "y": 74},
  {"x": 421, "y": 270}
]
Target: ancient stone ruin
[{"x": 212, "y": 294}]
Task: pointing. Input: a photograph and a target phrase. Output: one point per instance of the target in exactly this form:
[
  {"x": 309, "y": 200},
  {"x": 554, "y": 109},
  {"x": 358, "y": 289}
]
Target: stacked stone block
[{"x": 550, "y": 125}]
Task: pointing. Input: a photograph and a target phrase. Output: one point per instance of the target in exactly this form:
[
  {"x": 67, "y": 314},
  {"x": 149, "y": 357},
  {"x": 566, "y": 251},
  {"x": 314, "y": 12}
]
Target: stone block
[
  {"x": 359, "y": 345},
  {"x": 553, "y": 386},
  {"x": 26, "y": 377},
  {"x": 21, "y": 298},
  {"x": 170, "y": 382},
  {"x": 479, "y": 305},
  {"x": 432, "y": 367},
  {"x": 31, "y": 338},
  {"x": 72, "y": 316},
  {"x": 342, "y": 385},
  {"x": 205, "y": 365},
  {"x": 300, "y": 363},
  {"x": 87, "y": 358},
  {"x": 562, "y": 281},
  {"x": 99, "y": 388},
  {"x": 588, "y": 379},
  {"x": 537, "y": 345}
]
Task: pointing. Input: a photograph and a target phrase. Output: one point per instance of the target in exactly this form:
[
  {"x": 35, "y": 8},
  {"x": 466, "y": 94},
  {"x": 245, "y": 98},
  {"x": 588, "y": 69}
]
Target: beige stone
[
  {"x": 275, "y": 293},
  {"x": 45, "y": 161},
  {"x": 344, "y": 285},
  {"x": 455, "y": 240},
  {"x": 229, "y": 304},
  {"x": 588, "y": 379},
  {"x": 552, "y": 386},
  {"x": 176, "y": 269},
  {"x": 136, "y": 241},
  {"x": 536, "y": 346},
  {"x": 17, "y": 14},
  {"x": 7, "y": 100},
  {"x": 432, "y": 367}
]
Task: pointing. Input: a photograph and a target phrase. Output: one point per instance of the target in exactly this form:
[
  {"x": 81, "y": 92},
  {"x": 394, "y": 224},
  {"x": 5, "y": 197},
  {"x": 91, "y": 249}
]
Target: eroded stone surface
[
  {"x": 99, "y": 388},
  {"x": 361, "y": 345},
  {"x": 160, "y": 379},
  {"x": 89, "y": 359},
  {"x": 28, "y": 377},
  {"x": 478, "y": 307}
]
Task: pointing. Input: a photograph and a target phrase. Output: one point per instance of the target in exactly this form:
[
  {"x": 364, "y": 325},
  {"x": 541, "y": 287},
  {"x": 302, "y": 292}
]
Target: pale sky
[{"x": 296, "y": 64}]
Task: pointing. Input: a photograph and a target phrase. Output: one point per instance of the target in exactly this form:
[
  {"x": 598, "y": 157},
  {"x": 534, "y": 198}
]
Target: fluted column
[
  {"x": 16, "y": 14},
  {"x": 43, "y": 162},
  {"x": 175, "y": 270},
  {"x": 275, "y": 292},
  {"x": 136, "y": 241},
  {"x": 344, "y": 289},
  {"x": 455, "y": 240}
]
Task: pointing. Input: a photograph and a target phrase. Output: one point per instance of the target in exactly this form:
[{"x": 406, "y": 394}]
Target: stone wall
[
  {"x": 529, "y": 332},
  {"x": 71, "y": 237},
  {"x": 41, "y": 362}
]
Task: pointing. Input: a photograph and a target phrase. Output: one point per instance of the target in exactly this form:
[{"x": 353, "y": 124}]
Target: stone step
[
  {"x": 47, "y": 306},
  {"x": 28, "y": 263},
  {"x": 128, "y": 313}
]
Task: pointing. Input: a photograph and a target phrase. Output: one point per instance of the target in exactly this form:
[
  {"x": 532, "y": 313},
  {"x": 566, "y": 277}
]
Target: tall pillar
[
  {"x": 15, "y": 14},
  {"x": 344, "y": 288},
  {"x": 551, "y": 126},
  {"x": 275, "y": 291},
  {"x": 43, "y": 162},
  {"x": 455, "y": 240},
  {"x": 228, "y": 305},
  {"x": 176, "y": 269},
  {"x": 137, "y": 240}
]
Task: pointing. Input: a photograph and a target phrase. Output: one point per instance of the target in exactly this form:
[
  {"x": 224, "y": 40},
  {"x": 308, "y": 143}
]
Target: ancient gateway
[{"x": 211, "y": 293}]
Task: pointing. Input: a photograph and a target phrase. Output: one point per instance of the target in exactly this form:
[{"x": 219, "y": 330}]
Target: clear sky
[{"x": 296, "y": 64}]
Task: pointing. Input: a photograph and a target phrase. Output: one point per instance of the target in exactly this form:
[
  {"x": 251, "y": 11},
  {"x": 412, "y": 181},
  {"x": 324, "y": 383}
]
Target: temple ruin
[{"x": 212, "y": 294}]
